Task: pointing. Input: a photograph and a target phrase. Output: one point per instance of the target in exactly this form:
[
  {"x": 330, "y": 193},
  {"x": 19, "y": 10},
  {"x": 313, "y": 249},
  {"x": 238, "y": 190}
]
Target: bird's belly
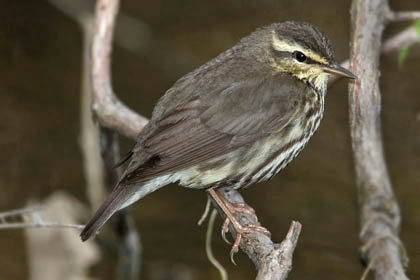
[
  {"x": 260, "y": 160},
  {"x": 251, "y": 164}
]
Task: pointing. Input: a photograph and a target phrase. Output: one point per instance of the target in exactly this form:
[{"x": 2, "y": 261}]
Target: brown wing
[{"x": 214, "y": 123}]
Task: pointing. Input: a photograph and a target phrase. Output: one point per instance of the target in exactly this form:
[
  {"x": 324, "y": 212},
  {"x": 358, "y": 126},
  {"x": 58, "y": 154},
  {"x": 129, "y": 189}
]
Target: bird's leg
[
  {"x": 237, "y": 208},
  {"x": 230, "y": 209}
]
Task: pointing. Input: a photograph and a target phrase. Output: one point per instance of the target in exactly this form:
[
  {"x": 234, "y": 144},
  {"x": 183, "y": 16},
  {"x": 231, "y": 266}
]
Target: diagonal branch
[
  {"x": 403, "y": 39},
  {"x": 109, "y": 110},
  {"x": 103, "y": 97},
  {"x": 380, "y": 213},
  {"x": 404, "y": 16},
  {"x": 272, "y": 261}
]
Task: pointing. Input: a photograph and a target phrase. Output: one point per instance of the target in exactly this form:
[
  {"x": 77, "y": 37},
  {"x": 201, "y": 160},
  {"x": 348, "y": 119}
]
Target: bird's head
[{"x": 303, "y": 51}]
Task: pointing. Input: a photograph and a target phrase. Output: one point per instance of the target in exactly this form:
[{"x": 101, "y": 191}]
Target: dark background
[{"x": 40, "y": 68}]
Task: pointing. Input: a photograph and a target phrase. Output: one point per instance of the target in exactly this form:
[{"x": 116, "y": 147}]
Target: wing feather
[{"x": 213, "y": 124}]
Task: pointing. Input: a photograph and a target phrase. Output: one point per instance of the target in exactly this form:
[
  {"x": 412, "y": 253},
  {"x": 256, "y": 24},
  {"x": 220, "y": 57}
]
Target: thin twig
[
  {"x": 78, "y": 10},
  {"x": 205, "y": 214},
  {"x": 132, "y": 34},
  {"x": 368, "y": 269},
  {"x": 209, "y": 251},
  {"x": 32, "y": 213},
  {"x": 401, "y": 40},
  {"x": 404, "y": 16},
  {"x": 20, "y": 212},
  {"x": 39, "y": 225},
  {"x": 376, "y": 197}
]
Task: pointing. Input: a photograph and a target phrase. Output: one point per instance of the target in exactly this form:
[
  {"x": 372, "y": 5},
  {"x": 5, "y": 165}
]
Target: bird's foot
[
  {"x": 239, "y": 208},
  {"x": 231, "y": 210},
  {"x": 239, "y": 231}
]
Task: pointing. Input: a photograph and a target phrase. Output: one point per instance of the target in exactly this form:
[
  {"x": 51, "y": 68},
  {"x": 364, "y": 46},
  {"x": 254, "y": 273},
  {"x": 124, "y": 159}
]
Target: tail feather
[
  {"x": 121, "y": 197},
  {"x": 108, "y": 208}
]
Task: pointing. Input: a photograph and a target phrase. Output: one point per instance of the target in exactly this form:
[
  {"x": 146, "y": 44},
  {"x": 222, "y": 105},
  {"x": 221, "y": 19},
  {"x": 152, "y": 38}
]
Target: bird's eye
[{"x": 300, "y": 56}]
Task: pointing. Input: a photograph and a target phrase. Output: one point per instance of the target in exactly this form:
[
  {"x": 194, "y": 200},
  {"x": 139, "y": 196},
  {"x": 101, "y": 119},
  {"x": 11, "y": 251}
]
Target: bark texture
[{"x": 380, "y": 213}]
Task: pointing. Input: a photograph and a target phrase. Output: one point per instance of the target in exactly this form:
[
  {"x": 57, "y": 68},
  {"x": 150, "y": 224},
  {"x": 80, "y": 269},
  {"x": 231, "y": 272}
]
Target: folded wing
[{"x": 212, "y": 124}]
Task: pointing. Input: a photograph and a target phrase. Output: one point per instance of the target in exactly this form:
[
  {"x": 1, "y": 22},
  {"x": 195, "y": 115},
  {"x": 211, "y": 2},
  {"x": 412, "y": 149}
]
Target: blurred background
[{"x": 160, "y": 41}]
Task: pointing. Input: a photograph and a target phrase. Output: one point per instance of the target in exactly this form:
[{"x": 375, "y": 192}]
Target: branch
[
  {"x": 380, "y": 213},
  {"x": 403, "y": 39},
  {"x": 273, "y": 261},
  {"x": 39, "y": 225},
  {"x": 209, "y": 234},
  {"x": 403, "y": 16},
  {"x": 78, "y": 10},
  {"x": 129, "y": 240},
  {"x": 110, "y": 111},
  {"x": 132, "y": 34},
  {"x": 105, "y": 107},
  {"x": 32, "y": 214},
  {"x": 278, "y": 263},
  {"x": 19, "y": 212},
  {"x": 89, "y": 131}
]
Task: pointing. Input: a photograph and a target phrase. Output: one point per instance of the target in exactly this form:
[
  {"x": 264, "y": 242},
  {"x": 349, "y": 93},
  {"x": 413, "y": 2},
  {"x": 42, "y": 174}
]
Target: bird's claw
[
  {"x": 230, "y": 209},
  {"x": 239, "y": 231},
  {"x": 225, "y": 229},
  {"x": 235, "y": 247}
]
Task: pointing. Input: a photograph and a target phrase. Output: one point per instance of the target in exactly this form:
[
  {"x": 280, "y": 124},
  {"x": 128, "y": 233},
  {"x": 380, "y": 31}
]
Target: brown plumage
[{"x": 234, "y": 121}]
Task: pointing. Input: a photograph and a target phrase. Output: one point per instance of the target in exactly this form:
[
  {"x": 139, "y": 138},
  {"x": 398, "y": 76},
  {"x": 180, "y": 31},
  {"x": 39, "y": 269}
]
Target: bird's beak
[{"x": 336, "y": 69}]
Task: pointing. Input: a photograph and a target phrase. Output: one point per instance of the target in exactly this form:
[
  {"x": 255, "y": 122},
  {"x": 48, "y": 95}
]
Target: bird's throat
[{"x": 318, "y": 83}]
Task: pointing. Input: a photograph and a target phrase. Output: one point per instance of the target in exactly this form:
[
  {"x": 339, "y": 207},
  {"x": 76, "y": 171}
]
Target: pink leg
[{"x": 230, "y": 209}]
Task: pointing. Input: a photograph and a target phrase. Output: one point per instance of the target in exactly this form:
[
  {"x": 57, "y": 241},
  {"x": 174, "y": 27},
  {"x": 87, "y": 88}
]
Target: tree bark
[
  {"x": 105, "y": 107},
  {"x": 380, "y": 213}
]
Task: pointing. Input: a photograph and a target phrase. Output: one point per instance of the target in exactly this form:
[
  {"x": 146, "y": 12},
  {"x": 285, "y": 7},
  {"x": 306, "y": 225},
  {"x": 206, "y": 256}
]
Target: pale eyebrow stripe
[
  {"x": 282, "y": 46},
  {"x": 290, "y": 55}
]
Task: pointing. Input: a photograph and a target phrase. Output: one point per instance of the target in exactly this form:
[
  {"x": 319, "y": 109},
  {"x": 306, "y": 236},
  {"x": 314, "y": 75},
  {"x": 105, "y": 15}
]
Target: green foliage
[
  {"x": 417, "y": 26},
  {"x": 402, "y": 55}
]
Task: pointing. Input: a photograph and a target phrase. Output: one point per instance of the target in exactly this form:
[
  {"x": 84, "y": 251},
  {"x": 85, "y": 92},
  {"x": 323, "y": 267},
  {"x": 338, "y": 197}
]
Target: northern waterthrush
[{"x": 235, "y": 121}]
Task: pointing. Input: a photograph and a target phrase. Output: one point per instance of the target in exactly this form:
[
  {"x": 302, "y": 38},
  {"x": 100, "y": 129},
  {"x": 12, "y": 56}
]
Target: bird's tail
[
  {"x": 107, "y": 209},
  {"x": 120, "y": 197}
]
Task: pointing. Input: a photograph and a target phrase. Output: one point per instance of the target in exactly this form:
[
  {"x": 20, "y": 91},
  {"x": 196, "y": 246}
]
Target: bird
[{"x": 235, "y": 121}]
